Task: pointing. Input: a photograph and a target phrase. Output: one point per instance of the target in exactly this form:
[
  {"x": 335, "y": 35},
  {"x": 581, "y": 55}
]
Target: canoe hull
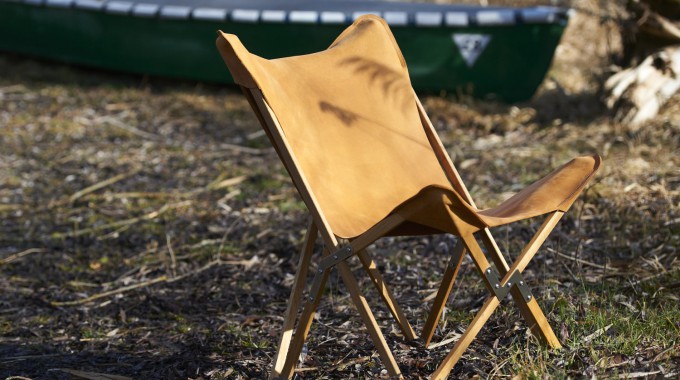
[{"x": 510, "y": 66}]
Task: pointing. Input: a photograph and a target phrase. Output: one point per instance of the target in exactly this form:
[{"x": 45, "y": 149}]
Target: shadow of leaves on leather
[
  {"x": 348, "y": 118},
  {"x": 395, "y": 84},
  {"x": 345, "y": 116}
]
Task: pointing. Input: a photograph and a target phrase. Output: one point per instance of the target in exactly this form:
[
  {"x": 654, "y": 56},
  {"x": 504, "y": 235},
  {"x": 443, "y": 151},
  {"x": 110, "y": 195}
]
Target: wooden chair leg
[
  {"x": 530, "y": 310},
  {"x": 529, "y": 307},
  {"x": 444, "y": 290},
  {"x": 534, "y": 317},
  {"x": 462, "y": 344},
  {"x": 386, "y": 295},
  {"x": 295, "y": 298},
  {"x": 303, "y": 326},
  {"x": 369, "y": 320},
  {"x": 480, "y": 319}
]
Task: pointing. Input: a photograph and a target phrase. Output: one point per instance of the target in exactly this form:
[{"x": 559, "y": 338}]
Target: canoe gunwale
[{"x": 447, "y": 16}]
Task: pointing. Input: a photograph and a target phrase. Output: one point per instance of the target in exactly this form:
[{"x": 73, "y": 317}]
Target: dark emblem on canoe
[{"x": 471, "y": 46}]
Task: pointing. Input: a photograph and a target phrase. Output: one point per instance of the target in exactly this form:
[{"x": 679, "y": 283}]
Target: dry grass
[{"x": 159, "y": 212}]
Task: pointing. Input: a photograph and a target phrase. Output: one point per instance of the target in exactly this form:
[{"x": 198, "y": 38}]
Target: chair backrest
[{"x": 350, "y": 119}]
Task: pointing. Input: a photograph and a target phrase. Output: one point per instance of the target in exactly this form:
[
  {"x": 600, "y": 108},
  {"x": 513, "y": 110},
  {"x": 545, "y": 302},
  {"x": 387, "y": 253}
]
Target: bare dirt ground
[{"x": 147, "y": 230}]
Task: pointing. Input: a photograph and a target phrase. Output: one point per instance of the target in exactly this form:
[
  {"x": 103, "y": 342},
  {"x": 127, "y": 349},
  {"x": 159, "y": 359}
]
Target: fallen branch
[
  {"x": 102, "y": 184},
  {"x": 110, "y": 293},
  {"x": 634, "y": 375},
  {"x": 346, "y": 364},
  {"x": 244, "y": 149},
  {"x": 597, "y": 333},
  {"x": 119, "y": 124},
  {"x": 122, "y": 223},
  {"x": 580, "y": 261},
  {"x": 21, "y": 254},
  {"x": 657, "y": 275},
  {"x": 140, "y": 194},
  {"x": 248, "y": 264},
  {"x": 444, "y": 342},
  {"x": 219, "y": 184},
  {"x": 92, "y": 375}
]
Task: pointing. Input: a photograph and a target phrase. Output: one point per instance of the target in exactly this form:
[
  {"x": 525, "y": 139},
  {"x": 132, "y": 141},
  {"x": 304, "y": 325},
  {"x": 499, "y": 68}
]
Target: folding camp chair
[{"x": 367, "y": 162}]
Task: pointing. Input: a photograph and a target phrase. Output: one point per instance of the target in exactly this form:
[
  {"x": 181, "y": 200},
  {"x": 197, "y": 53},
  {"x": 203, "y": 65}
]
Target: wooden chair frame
[
  {"x": 527, "y": 304},
  {"x": 336, "y": 254},
  {"x": 293, "y": 338}
]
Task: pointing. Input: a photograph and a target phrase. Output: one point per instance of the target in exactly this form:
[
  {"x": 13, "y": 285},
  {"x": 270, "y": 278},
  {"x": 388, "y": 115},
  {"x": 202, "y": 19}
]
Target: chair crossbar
[
  {"x": 291, "y": 343},
  {"x": 511, "y": 282},
  {"x": 444, "y": 291}
]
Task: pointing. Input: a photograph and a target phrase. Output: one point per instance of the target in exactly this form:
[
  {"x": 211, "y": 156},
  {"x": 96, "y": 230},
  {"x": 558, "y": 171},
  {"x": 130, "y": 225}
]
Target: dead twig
[
  {"x": 656, "y": 275},
  {"x": 110, "y": 293},
  {"x": 444, "y": 342},
  {"x": 634, "y": 375},
  {"x": 244, "y": 149},
  {"x": 197, "y": 271},
  {"x": 246, "y": 263},
  {"x": 21, "y": 254},
  {"x": 122, "y": 223},
  {"x": 219, "y": 184},
  {"x": 597, "y": 333},
  {"x": 580, "y": 261},
  {"x": 173, "y": 257},
  {"x": 140, "y": 194},
  {"x": 339, "y": 366},
  {"x": 119, "y": 124},
  {"x": 102, "y": 184},
  {"x": 92, "y": 375}
]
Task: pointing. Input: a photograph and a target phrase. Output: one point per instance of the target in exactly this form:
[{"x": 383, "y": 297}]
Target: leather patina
[{"x": 350, "y": 116}]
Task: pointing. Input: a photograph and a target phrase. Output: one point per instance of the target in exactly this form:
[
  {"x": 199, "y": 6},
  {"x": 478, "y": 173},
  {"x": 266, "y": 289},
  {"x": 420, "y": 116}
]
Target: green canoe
[{"x": 481, "y": 51}]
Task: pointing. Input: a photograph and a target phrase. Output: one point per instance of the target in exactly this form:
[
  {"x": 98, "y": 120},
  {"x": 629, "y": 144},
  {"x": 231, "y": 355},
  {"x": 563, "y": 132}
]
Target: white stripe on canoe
[
  {"x": 209, "y": 14},
  {"x": 428, "y": 18},
  {"x": 332, "y": 17},
  {"x": 245, "y": 15},
  {"x": 94, "y": 5},
  {"x": 59, "y": 3},
  {"x": 145, "y": 10},
  {"x": 396, "y": 18},
  {"x": 175, "y": 12},
  {"x": 304, "y": 17},
  {"x": 118, "y": 7},
  {"x": 457, "y": 19},
  {"x": 538, "y": 15},
  {"x": 502, "y": 17},
  {"x": 273, "y": 16}
]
